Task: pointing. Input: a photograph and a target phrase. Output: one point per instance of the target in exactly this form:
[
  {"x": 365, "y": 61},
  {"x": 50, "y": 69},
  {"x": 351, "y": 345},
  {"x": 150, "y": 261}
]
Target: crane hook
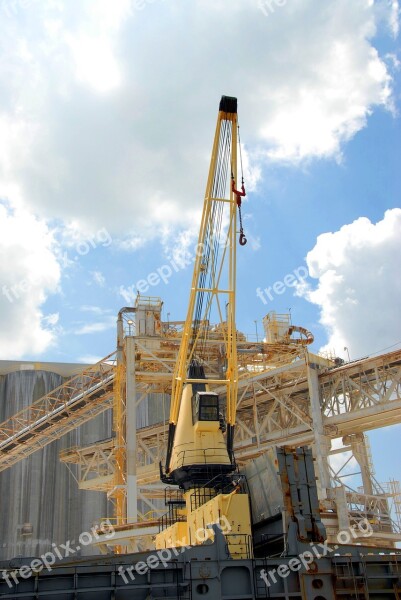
[{"x": 239, "y": 194}]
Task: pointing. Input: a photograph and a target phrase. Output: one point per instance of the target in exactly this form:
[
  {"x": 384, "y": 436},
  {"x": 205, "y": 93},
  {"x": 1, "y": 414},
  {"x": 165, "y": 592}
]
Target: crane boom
[
  {"x": 213, "y": 280},
  {"x": 199, "y": 458}
]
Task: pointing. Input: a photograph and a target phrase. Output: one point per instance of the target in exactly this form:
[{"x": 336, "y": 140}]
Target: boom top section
[
  {"x": 211, "y": 300},
  {"x": 228, "y": 104}
]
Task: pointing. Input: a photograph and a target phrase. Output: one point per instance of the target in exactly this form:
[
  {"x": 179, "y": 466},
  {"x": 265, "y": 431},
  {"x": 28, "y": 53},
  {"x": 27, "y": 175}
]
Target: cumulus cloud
[
  {"x": 90, "y": 359},
  {"x": 108, "y": 322},
  {"x": 358, "y": 284},
  {"x": 97, "y": 310},
  {"x": 394, "y": 17},
  {"x": 29, "y": 272},
  {"x": 107, "y": 112}
]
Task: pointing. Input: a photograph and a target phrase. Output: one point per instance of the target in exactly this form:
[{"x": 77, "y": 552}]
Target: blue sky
[
  {"x": 295, "y": 206},
  {"x": 107, "y": 114}
]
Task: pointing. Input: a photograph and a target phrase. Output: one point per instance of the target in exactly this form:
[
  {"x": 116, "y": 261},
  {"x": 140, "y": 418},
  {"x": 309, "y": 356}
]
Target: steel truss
[{"x": 286, "y": 396}]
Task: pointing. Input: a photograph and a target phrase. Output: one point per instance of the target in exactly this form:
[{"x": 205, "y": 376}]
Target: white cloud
[
  {"x": 90, "y": 359},
  {"x": 29, "y": 272},
  {"x": 132, "y": 243},
  {"x": 107, "y": 323},
  {"x": 105, "y": 120},
  {"x": 97, "y": 310},
  {"x": 95, "y": 63},
  {"x": 394, "y": 17},
  {"x": 93, "y": 45},
  {"x": 122, "y": 136},
  {"x": 51, "y": 319},
  {"x": 98, "y": 278},
  {"x": 359, "y": 285}
]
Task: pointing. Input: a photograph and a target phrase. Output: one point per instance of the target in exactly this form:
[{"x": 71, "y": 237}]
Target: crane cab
[{"x": 199, "y": 447}]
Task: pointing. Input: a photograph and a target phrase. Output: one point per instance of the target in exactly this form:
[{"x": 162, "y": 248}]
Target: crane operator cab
[
  {"x": 205, "y": 407},
  {"x": 200, "y": 451}
]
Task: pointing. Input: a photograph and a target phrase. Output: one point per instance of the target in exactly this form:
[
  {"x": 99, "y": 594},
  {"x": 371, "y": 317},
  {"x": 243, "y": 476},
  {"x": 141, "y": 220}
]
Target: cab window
[{"x": 208, "y": 408}]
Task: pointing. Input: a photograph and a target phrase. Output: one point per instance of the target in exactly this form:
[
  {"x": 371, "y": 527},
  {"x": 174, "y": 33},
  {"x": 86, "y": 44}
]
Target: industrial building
[{"x": 62, "y": 479}]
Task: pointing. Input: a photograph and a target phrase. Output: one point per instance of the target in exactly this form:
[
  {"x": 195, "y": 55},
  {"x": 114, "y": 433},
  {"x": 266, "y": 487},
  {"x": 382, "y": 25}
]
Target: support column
[
  {"x": 359, "y": 448},
  {"x": 321, "y": 444},
  {"x": 342, "y": 508},
  {"x": 132, "y": 491}
]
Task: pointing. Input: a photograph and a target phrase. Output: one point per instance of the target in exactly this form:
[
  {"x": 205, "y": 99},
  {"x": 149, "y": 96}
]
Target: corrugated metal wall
[
  {"x": 153, "y": 409},
  {"x": 40, "y": 490}
]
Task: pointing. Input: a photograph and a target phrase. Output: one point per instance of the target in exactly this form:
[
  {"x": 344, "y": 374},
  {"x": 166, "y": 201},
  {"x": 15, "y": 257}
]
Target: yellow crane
[{"x": 199, "y": 455}]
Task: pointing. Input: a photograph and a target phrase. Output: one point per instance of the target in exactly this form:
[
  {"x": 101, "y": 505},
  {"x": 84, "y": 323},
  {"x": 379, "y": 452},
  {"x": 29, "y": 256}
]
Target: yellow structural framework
[
  {"x": 213, "y": 275},
  {"x": 199, "y": 457}
]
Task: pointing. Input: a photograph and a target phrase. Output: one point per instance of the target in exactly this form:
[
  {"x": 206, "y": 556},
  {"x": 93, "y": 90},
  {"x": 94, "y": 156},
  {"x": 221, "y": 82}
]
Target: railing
[
  {"x": 201, "y": 495},
  {"x": 193, "y": 456},
  {"x": 170, "y": 518},
  {"x": 173, "y": 496}
]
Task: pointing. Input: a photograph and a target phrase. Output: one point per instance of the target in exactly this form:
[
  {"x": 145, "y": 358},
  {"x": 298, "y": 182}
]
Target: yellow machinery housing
[{"x": 228, "y": 511}]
